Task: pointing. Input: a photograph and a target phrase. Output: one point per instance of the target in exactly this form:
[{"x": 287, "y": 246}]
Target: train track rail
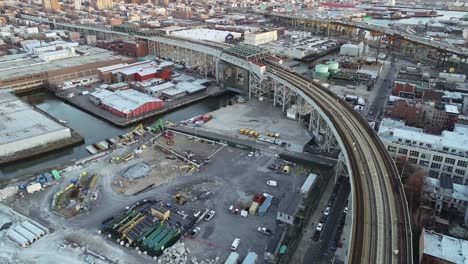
[{"x": 381, "y": 231}]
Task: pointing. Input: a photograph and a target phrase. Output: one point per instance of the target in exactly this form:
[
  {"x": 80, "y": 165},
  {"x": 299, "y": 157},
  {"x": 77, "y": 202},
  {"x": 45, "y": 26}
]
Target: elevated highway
[
  {"x": 381, "y": 229},
  {"x": 437, "y": 45}
]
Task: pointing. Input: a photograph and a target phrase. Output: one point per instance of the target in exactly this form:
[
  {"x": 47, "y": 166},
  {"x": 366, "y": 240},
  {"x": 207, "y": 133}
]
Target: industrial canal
[{"x": 91, "y": 129}]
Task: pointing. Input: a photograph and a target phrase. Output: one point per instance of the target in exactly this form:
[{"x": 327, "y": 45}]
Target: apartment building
[
  {"x": 440, "y": 155},
  {"x": 443, "y": 194}
]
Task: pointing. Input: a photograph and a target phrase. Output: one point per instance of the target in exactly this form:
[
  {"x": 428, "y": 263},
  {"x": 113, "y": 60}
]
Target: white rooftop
[
  {"x": 161, "y": 87},
  {"x": 190, "y": 87},
  {"x": 173, "y": 91},
  {"x": 392, "y": 130},
  {"x": 19, "y": 120},
  {"x": 444, "y": 247},
  {"x": 453, "y": 109},
  {"x": 205, "y": 34},
  {"x": 127, "y": 100}
]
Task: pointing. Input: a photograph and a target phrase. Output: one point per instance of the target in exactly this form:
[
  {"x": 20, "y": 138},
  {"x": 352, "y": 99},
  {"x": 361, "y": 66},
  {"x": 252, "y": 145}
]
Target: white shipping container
[{"x": 32, "y": 188}]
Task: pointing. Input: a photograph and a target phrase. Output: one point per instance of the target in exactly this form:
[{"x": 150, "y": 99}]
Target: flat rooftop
[
  {"x": 393, "y": 130},
  {"x": 444, "y": 247},
  {"x": 19, "y": 120},
  {"x": 30, "y": 66}
]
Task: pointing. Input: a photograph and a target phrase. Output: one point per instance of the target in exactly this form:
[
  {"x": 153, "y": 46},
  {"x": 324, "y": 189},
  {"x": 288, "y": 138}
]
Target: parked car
[
  {"x": 316, "y": 236},
  {"x": 197, "y": 214},
  {"x": 272, "y": 183},
  {"x": 235, "y": 244},
  {"x": 195, "y": 232},
  {"x": 319, "y": 227},
  {"x": 265, "y": 231},
  {"x": 345, "y": 210},
  {"x": 251, "y": 154},
  {"x": 327, "y": 211},
  {"x": 209, "y": 215}
]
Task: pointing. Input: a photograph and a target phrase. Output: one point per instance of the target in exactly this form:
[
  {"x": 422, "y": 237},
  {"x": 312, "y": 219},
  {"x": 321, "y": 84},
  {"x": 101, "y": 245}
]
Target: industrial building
[
  {"x": 288, "y": 208},
  {"x": 126, "y": 103},
  {"x": 138, "y": 71},
  {"x": 22, "y": 72},
  {"x": 22, "y": 127},
  {"x": 259, "y": 38},
  {"x": 440, "y": 155}
]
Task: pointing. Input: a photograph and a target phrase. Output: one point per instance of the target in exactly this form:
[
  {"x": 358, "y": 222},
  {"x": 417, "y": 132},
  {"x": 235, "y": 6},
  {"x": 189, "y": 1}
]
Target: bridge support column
[
  {"x": 255, "y": 85},
  {"x": 340, "y": 167}
]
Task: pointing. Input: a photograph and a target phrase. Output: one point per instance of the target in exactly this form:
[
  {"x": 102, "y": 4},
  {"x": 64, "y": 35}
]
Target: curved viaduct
[{"x": 381, "y": 229}]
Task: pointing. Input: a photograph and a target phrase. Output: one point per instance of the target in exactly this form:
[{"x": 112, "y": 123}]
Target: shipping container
[
  {"x": 251, "y": 258},
  {"x": 266, "y": 204},
  {"x": 232, "y": 258},
  {"x": 32, "y": 188},
  {"x": 253, "y": 208}
]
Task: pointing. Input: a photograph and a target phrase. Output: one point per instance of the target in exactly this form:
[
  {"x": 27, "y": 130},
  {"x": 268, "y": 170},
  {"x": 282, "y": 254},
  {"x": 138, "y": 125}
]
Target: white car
[
  {"x": 265, "y": 231},
  {"x": 197, "y": 214},
  {"x": 327, "y": 210},
  {"x": 195, "y": 232},
  {"x": 345, "y": 210},
  {"x": 209, "y": 215},
  {"x": 272, "y": 183},
  {"x": 251, "y": 154},
  {"x": 319, "y": 227}
]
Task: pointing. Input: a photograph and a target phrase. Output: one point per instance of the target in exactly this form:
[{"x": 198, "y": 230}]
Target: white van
[{"x": 235, "y": 244}]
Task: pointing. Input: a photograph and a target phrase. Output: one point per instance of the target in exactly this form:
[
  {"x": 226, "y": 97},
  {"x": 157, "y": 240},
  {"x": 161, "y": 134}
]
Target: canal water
[
  {"x": 446, "y": 15},
  {"x": 91, "y": 129}
]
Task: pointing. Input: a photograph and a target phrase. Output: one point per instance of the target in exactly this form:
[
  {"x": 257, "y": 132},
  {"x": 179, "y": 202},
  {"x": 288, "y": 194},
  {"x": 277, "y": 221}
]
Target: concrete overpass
[
  {"x": 331, "y": 24},
  {"x": 381, "y": 228}
]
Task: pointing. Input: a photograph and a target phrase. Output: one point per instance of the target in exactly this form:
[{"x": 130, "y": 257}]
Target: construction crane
[
  {"x": 128, "y": 136},
  {"x": 157, "y": 126}
]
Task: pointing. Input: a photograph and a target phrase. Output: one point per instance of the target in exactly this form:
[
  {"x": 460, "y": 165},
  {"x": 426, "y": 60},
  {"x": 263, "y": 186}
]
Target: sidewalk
[{"x": 309, "y": 230}]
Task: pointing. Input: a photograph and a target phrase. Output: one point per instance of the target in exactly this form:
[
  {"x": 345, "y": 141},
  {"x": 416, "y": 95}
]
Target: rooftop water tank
[
  {"x": 333, "y": 65},
  {"x": 321, "y": 68}
]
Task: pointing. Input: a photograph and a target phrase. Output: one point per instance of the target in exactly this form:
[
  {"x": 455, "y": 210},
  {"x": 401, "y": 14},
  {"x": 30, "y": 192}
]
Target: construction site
[{"x": 160, "y": 193}]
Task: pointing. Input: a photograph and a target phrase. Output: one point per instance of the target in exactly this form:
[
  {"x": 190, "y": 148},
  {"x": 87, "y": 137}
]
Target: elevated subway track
[
  {"x": 381, "y": 219},
  {"x": 381, "y": 231}
]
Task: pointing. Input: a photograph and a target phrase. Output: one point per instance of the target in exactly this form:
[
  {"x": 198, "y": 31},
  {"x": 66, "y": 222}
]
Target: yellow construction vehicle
[
  {"x": 138, "y": 129},
  {"x": 242, "y": 131},
  {"x": 178, "y": 198}
]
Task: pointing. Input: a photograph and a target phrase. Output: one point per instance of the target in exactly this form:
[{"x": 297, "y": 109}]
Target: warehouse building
[
  {"x": 191, "y": 87},
  {"x": 157, "y": 90},
  {"x": 28, "y": 72},
  {"x": 173, "y": 93},
  {"x": 259, "y": 38},
  {"x": 22, "y": 127},
  {"x": 126, "y": 103}
]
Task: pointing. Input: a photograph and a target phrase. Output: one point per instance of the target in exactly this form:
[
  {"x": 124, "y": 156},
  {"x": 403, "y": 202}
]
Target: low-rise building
[
  {"x": 440, "y": 155},
  {"x": 126, "y": 103},
  {"x": 259, "y": 38},
  {"x": 288, "y": 208},
  {"x": 439, "y": 248},
  {"x": 445, "y": 195}
]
